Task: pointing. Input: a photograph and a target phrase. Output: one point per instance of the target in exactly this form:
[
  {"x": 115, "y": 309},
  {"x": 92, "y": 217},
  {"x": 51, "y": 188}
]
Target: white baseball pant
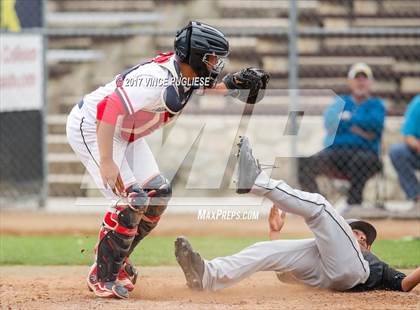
[{"x": 135, "y": 160}]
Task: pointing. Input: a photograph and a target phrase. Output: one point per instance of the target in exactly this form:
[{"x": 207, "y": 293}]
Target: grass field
[{"x": 157, "y": 251}]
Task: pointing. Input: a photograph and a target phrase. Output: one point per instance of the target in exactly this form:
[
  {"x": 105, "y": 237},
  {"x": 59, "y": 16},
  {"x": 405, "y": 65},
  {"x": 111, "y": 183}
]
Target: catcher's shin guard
[
  {"x": 159, "y": 190},
  {"x": 118, "y": 232}
]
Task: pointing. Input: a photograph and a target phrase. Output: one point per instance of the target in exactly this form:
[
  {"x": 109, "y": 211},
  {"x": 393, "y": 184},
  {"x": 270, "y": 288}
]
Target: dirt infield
[
  {"x": 38, "y": 223},
  {"x": 60, "y": 287}
]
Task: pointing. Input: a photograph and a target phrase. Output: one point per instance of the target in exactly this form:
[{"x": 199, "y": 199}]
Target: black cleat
[
  {"x": 248, "y": 167},
  {"x": 191, "y": 263},
  {"x": 118, "y": 290}
]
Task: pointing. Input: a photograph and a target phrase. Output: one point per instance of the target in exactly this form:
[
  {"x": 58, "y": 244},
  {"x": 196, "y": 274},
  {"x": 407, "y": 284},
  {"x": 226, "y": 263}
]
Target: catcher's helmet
[
  {"x": 366, "y": 227},
  {"x": 195, "y": 42}
]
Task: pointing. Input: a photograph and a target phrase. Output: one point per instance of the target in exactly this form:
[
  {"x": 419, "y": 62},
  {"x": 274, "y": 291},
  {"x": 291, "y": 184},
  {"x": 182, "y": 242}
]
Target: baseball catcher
[
  {"x": 106, "y": 129},
  {"x": 337, "y": 258}
]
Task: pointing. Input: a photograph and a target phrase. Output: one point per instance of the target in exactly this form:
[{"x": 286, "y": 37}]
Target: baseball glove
[{"x": 247, "y": 85}]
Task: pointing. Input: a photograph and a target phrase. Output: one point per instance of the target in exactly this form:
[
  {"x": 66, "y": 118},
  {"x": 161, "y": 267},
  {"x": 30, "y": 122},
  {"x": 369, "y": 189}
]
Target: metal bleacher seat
[
  {"x": 72, "y": 55},
  {"x": 266, "y": 8},
  {"x": 71, "y": 15},
  {"x": 165, "y": 43},
  {"x": 386, "y": 21},
  {"x": 400, "y": 6},
  {"x": 92, "y": 18},
  {"x": 100, "y": 5},
  {"x": 227, "y": 24}
]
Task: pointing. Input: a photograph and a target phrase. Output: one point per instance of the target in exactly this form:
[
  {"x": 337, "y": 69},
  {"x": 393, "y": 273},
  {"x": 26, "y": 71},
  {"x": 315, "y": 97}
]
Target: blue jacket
[
  {"x": 411, "y": 125},
  {"x": 369, "y": 116}
]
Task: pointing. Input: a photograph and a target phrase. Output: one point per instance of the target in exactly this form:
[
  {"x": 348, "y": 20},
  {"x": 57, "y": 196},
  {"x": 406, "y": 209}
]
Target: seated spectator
[
  {"x": 405, "y": 156},
  {"x": 354, "y": 146}
]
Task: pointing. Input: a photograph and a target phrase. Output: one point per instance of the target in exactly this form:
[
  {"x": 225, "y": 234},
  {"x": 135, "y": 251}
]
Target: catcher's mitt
[{"x": 247, "y": 85}]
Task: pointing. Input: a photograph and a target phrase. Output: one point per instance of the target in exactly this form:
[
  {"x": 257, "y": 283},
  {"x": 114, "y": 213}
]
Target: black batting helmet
[
  {"x": 366, "y": 227},
  {"x": 195, "y": 42}
]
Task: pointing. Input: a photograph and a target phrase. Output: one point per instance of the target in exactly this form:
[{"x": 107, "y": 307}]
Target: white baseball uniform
[
  {"x": 332, "y": 259},
  {"x": 135, "y": 103}
]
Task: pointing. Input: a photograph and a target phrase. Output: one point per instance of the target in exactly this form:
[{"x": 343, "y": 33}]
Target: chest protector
[{"x": 174, "y": 98}]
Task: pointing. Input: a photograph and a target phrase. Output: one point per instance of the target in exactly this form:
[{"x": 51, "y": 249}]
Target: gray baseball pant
[{"x": 332, "y": 259}]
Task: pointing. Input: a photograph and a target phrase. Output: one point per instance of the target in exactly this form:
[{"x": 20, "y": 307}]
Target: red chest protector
[{"x": 143, "y": 123}]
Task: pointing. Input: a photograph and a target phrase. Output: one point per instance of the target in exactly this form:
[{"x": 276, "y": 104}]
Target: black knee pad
[
  {"x": 137, "y": 198},
  {"x": 159, "y": 190}
]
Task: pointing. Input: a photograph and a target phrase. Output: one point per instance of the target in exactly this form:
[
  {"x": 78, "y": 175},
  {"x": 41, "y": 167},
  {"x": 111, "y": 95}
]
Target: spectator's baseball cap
[
  {"x": 366, "y": 227},
  {"x": 360, "y": 67}
]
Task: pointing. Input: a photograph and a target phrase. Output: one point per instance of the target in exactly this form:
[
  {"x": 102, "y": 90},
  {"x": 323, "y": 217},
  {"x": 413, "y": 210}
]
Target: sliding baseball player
[{"x": 337, "y": 258}]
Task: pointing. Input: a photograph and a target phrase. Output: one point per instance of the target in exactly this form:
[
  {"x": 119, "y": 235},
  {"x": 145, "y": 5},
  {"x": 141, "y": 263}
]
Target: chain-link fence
[
  {"x": 22, "y": 104},
  {"x": 384, "y": 35},
  {"x": 305, "y": 45}
]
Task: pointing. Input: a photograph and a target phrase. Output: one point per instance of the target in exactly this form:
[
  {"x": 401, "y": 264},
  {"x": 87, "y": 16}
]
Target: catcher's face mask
[{"x": 215, "y": 65}]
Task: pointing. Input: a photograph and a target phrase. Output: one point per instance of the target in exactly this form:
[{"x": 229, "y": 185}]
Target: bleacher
[{"x": 79, "y": 62}]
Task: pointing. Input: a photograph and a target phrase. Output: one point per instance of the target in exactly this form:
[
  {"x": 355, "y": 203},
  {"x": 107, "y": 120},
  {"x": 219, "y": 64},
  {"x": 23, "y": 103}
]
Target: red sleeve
[{"x": 109, "y": 109}]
